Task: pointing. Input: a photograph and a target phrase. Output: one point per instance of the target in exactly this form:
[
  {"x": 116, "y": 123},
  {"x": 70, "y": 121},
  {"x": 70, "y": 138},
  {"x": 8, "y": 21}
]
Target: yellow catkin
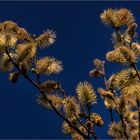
[
  {"x": 121, "y": 55},
  {"x": 25, "y": 52},
  {"x": 5, "y": 63},
  {"x": 117, "y": 17},
  {"x": 86, "y": 93},
  {"x": 132, "y": 91},
  {"x": 71, "y": 107},
  {"x": 48, "y": 65},
  {"x": 46, "y": 39},
  {"x": 116, "y": 130},
  {"x": 124, "y": 78},
  {"x": 56, "y": 101}
]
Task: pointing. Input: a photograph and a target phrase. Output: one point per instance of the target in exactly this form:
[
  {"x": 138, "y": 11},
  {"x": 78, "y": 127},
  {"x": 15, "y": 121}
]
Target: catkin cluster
[
  {"x": 19, "y": 56},
  {"x": 122, "y": 90}
]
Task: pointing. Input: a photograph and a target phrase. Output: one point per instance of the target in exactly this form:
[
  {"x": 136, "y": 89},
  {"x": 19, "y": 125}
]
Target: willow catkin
[
  {"x": 117, "y": 17},
  {"x": 85, "y": 93},
  {"x": 25, "y": 52},
  {"x": 46, "y": 39},
  {"x": 49, "y": 65},
  {"x": 124, "y": 78},
  {"x": 132, "y": 91},
  {"x": 122, "y": 55},
  {"x": 71, "y": 107},
  {"x": 5, "y": 63},
  {"x": 55, "y": 99},
  {"x": 116, "y": 130}
]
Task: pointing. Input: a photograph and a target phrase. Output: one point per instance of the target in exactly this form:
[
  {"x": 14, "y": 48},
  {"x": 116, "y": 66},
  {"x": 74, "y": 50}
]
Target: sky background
[{"x": 81, "y": 37}]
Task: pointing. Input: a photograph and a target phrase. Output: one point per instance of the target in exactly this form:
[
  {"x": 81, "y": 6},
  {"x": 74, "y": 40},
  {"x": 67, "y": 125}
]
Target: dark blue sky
[{"x": 80, "y": 38}]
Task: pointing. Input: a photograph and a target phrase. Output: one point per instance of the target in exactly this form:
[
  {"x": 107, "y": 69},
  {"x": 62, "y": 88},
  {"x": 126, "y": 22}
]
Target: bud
[
  {"x": 83, "y": 129},
  {"x": 96, "y": 119},
  {"x": 49, "y": 85},
  {"x": 96, "y": 73},
  {"x": 13, "y": 77},
  {"x": 105, "y": 92},
  {"x": 89, "y": 124},
  {"x": 83, "y": 115},
  {"x": 33, "y": 70}
]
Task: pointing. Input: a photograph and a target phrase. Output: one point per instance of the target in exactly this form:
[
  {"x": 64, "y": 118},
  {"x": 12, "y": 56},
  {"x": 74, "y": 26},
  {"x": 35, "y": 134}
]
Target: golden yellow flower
[
  {"x": 48, "y": 65},
  {"x": 86, "y": 93}
]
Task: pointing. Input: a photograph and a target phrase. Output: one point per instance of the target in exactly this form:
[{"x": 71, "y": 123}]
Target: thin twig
[
  {"x": 80, "y": 122},
  {"x": 89, "y": 120},
  {"x": 110, "y": 110}
]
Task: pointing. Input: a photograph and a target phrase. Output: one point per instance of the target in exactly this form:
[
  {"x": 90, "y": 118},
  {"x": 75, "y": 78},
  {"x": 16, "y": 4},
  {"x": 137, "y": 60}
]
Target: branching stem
[{"x": 26, "y": 76}]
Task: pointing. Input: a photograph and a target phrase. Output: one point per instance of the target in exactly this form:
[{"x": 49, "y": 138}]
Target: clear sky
[{"x": 81, "y": 37}]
